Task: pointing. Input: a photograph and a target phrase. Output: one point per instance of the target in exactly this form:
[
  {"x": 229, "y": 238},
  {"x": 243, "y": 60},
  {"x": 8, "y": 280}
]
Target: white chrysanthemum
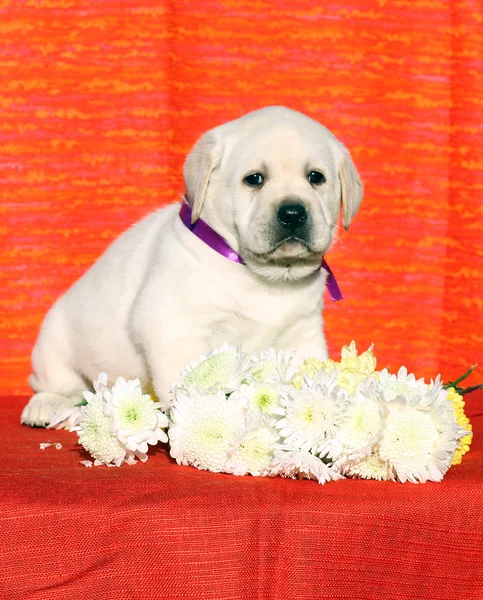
[
  {"x": 223, "y": 368},
  {"x": 100, "y": 385},
  {"x": 370, "y": 467},
  {"x": 94, "y": 431},
  {"x": 403, "y": 384},
  {"x": 254, "y": 447},
  {"x": 261, "y": 396},
  {"x": 301, "y": 464},
  {"x": 361, "y": 427},
  {"x": 65, "y": 418},
  {"x": 269, "y": 365},
  {"x": 136, "y": 419},
  {"x": 204, "y": 425},
  {"x": 443, "y": 412},
  {"x": 418, "y": 441},
  {"x": 313, "y": 413}
]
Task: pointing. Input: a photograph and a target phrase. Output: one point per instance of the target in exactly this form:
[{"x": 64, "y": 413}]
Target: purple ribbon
[
  {"x": 331, "y": 283},
  {"x": 208, "y": 235}
]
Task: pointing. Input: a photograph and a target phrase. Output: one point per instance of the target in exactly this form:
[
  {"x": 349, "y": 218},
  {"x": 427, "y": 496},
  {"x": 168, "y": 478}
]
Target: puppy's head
[{"x": 272, "y": 183}]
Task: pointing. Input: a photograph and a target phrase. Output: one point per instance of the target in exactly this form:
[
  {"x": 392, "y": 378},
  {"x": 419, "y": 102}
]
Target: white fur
[{"x": 159, "y": 297}]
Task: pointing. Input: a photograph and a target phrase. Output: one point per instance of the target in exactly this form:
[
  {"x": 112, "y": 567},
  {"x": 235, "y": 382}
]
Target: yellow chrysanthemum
[
  {"x": 309, "y": 367},
  {"x": 365, "y": 362},
  {"x": 463, "y": 421},
  {"x": 349, "y": 379},
  {"x": 352, "y": 369}
]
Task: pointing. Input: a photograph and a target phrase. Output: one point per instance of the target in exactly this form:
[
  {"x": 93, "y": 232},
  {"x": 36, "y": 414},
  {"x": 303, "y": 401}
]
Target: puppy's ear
[
  {"x": 198, "y": 167},
  {"x": 352, "y": 187}
]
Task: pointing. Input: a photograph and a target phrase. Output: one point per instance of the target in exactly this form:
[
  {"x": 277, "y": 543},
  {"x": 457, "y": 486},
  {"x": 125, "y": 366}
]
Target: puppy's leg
[
  {"x": 315, "y": 347},
  {"x": 166, "y": 361},
  {"x": 56, "y": 384},
  {"x": 43, "y": 406}
]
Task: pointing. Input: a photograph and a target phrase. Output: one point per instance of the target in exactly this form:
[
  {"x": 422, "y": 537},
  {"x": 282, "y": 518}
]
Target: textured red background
[{"x": 101, "y": 101}]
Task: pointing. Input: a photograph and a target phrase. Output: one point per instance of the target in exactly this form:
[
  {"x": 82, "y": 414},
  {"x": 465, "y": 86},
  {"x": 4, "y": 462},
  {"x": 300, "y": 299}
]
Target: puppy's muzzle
[
  {"x": 292, "y": 223},
  {"x": 292, "y": 216}
]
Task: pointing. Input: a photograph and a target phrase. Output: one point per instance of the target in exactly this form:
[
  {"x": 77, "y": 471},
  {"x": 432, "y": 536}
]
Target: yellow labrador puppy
[{"x": 267, "y": 186}]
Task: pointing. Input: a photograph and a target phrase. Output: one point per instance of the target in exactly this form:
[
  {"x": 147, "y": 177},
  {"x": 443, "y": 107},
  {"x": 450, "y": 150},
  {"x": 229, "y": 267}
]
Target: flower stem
[
  {"x": 468, "y": 390},
  {"x": 460, "y": 379}
]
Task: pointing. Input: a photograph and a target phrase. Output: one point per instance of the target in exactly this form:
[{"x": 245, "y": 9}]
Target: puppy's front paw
[{"x": 43, "y": 406}]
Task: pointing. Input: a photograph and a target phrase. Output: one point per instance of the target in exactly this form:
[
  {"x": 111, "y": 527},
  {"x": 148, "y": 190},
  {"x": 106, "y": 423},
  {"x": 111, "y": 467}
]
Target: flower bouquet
[{"x": 257, "y": 414}]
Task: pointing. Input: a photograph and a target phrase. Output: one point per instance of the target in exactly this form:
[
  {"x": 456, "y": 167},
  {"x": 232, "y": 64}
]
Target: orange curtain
[{"x": 101, "y": 101}]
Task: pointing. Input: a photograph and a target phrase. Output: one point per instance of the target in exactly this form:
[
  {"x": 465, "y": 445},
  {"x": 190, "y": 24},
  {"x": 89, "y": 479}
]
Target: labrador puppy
[{"x": 271, "y": 184}]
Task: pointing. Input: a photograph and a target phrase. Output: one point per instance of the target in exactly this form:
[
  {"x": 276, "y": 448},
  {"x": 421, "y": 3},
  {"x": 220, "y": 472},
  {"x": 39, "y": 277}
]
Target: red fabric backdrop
[{"x": 101, "y": 101}]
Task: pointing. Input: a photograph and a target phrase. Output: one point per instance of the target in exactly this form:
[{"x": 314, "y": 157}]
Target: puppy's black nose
[{"x": 292, "y": 216}]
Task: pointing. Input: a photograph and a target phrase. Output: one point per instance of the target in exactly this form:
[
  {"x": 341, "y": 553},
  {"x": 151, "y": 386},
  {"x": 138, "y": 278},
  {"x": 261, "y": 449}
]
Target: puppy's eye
[
  {"x": 316, "y": 177},
  {"x": 255, "y": 179}
]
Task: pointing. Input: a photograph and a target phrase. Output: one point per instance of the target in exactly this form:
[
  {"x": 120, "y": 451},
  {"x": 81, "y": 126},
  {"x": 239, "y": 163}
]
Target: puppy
[{"x": 271, "y": 184}]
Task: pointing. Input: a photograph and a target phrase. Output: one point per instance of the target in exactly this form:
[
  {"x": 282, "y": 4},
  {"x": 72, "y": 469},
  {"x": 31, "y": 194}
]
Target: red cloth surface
[{"x": 157, "y": 530}]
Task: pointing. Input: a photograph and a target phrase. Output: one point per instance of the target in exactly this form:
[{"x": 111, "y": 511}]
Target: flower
[
  {"x": 45, "y": 445},
  {"x": 272, "y": 365},
  {"x": 254, "y": 448},
  {"x": 136, "y": 419},
  {"x": 252, "y": 414},
  {"x": 370, "y": 467},
  {"x": 117, "y": 424},
  {"x": 404, "y": 384},
  {"x": 352, "y": 369},
  {"x": 465, "y": 442},
  {"x": 302, "y": 464},
  {"x": 313, "y": 413},
  {"x": 462, "y": 449},
  {"x": 310, "y": 367},
  {"x": 440, "y": 414},
  {"x": 365, "y": 362},
  {"x": 65, "y": 417},
  {"x": 361, "y": 427},
  {"x": 261, "y": 396},
  {"x": 222, "y": 368},
  {"x": 418, "y": 441},
  {"x": 349, "y": 379},
  {"x": 204, "y": 425},
  {"x": 94, "y": 428}
]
